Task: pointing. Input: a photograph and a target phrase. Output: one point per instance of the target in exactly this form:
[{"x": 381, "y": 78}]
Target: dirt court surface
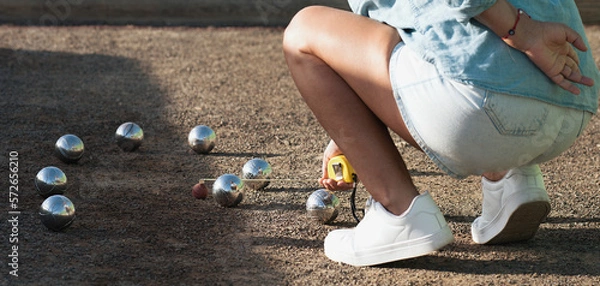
[{"x": 137, "y": 222}]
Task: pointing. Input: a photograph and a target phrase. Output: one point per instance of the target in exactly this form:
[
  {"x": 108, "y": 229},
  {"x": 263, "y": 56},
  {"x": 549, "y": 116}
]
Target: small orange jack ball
[{"x": 200, "y": 191}]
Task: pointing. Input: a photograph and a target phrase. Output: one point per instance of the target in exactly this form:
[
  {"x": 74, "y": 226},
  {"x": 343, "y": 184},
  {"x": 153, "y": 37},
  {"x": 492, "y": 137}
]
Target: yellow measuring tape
[{"x": 340, "y": 169}]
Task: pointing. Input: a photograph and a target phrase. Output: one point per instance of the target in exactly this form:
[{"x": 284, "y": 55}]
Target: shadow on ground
[{"x": 123, "y": 230}]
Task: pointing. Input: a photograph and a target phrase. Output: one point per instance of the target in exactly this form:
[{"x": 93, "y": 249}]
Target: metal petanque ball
[
  {"x": 50, "y": 181},
  {"x": 257, "y": 169},
  {"x": 228, "y": 190},
  {"x": 69, "y": 148},
  {"x": 57, "y": 212},
  {"x": 129, "y": 136},
  {"x": 202, "y": 139},
  {"x": 322, "y": 206}
]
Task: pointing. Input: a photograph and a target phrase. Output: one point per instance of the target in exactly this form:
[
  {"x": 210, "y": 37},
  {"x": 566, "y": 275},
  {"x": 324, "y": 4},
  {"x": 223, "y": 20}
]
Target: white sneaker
[
  {"x": 383, "y": 237},
  {"x": 513, "y": 207}
]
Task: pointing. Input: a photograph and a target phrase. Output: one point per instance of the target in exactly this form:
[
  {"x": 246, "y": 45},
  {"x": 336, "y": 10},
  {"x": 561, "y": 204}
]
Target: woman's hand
[
  {"x": 551, "y": 47},
  {"x": 331, "y": 151}
]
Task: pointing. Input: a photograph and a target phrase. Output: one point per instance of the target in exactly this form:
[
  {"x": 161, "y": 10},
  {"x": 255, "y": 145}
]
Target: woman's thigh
[{"x": 358, "y": 49}]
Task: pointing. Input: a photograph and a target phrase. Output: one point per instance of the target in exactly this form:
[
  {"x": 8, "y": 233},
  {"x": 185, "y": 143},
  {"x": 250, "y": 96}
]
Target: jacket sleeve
[{"x": 400, "y": 12}]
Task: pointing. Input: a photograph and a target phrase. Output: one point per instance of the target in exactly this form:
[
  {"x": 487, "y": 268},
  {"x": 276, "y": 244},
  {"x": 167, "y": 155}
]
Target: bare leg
[
  {"x": 339, "y": 62},
  {"x": 494, "y": 176}
]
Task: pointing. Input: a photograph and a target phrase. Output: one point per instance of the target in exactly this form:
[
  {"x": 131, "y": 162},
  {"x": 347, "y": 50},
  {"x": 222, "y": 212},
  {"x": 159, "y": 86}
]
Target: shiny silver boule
[
  {"x": 129, "y": 136},
  {"x": 57, "y": 212},
  {"x": 257, "y": 169},
  {"x": 228, "y": 190},
  {"x": 50, "y": 181},
  {"x": 202, "y": 139},
  {"x": 69, "y": 148},
  {"x": 322, "y": 206}
]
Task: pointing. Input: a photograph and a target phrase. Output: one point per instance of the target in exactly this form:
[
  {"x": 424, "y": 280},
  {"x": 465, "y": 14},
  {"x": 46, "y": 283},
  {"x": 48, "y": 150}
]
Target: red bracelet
[{"x": 512, "y": 30}]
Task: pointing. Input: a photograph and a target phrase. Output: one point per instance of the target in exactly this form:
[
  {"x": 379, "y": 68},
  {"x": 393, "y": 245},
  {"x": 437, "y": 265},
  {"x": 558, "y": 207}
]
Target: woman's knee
[{"x": 297, "y": 34}]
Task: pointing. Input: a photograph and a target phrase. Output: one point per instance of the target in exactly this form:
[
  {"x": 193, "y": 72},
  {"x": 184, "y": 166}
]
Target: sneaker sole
[
  {"x": 523, "y": 224},
  {"x": 396, "y": 252}
]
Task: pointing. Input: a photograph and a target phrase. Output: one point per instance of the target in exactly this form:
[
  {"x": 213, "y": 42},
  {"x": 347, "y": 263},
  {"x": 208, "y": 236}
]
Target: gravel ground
[{"x": 137, "y": 222}]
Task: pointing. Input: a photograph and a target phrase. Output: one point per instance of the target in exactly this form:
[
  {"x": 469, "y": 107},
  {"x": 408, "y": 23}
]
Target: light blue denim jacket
[{"x": 445, "y": 33}]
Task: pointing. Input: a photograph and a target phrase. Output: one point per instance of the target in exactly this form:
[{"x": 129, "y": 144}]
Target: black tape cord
[{"x": 353, "y": 199}]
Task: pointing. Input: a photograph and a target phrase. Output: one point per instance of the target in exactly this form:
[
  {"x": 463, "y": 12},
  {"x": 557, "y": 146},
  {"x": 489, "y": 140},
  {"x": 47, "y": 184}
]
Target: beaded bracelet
[{"x": 512, "y": 30}]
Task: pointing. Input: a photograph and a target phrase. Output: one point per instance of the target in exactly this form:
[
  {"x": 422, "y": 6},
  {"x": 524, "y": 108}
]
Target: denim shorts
[{"x": 468, "y": 130}]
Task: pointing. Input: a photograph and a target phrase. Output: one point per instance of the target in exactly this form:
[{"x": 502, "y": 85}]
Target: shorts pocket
[{"x": 514, "y": 115}]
